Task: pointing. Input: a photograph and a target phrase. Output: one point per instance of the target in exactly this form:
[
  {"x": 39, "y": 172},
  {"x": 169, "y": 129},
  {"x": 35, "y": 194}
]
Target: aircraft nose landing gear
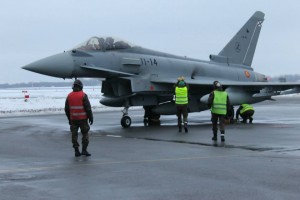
[{"x": 125, "y": 120}]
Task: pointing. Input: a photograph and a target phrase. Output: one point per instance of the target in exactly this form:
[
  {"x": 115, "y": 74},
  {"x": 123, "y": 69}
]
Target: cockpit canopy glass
[{"x": 103, "y": 44}]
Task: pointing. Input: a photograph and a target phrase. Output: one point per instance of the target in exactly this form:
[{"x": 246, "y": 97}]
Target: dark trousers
[
  {"x": 181, "y": 113},
  {"x": 247, "y": 115},
  {"x": 214, "y": 119},
  {"x": 84, "y": 128}
]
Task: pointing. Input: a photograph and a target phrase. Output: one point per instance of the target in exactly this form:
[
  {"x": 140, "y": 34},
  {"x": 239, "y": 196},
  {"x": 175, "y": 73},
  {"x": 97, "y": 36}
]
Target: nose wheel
[{"x": 125, "y": 120}]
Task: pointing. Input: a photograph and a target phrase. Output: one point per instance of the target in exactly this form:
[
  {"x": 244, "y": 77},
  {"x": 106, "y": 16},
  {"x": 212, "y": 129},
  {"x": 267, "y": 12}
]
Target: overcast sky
[{"x": 34, "y": 29}]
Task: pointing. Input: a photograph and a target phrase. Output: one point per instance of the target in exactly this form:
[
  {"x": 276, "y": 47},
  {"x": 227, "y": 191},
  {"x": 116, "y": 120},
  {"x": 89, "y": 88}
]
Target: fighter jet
[{"x": 136, "y": 76}]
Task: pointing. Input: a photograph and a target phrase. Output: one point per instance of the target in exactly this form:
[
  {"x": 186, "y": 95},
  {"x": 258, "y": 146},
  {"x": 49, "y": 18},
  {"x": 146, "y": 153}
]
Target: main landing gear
[
  {"x": 125, "y": 120},
  {"x": 230, "y": 116},
  {"x": 150, "y": 118}
]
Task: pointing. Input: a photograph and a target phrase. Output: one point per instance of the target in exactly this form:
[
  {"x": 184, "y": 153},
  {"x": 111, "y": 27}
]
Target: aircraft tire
[{"x": 126, "y": 121}]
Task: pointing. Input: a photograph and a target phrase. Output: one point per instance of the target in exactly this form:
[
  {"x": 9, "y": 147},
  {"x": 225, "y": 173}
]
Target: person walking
[
  {"x": 80, "y": 115},
  {"x": 181, "y": 101},
  {"x": 218, "y": 102},
  {"x": 246, "y": 111}
]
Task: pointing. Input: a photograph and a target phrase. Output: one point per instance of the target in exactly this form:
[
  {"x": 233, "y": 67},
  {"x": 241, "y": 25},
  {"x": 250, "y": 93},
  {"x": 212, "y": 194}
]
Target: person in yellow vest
[
  {"x": 246, "y": 111},
  {"x": 218, "y": 102},
  {"x": 181, "y": 101},
  {"x": 79, "y": 113}
]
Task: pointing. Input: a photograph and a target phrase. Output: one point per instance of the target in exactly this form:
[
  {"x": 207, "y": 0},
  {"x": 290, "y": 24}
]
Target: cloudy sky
[{"x": 34, "y": 29}]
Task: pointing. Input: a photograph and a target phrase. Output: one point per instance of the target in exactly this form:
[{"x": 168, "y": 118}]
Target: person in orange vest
[
  {"x": 246, "y": 111},
  {"x": 79, "y": 113},
  {"x": 218, "y": 103}
]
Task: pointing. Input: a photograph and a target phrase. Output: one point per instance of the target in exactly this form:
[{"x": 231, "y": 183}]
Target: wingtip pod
[{"x": 259, "y": 15}]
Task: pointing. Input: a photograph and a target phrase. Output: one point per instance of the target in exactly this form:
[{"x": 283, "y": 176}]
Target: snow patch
[{"x": 44, "y": 100}]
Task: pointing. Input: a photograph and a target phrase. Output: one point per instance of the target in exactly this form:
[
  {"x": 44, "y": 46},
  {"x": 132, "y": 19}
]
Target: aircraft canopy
[{"x": 103, "y": 44}]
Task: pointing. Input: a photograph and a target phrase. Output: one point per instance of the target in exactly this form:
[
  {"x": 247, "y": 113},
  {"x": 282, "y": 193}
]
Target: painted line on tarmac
[{"x": 54, "y": 167}]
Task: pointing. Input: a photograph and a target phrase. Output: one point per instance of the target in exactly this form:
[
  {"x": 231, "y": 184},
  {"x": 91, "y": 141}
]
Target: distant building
[{"x": 282, "y": 79}]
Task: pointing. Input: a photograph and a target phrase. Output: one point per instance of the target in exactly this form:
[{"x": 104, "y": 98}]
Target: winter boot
[
  {"x": 77, "y": 152},
  {"x": 223, "y": 136},
  {"x": 85, "y": 152},
  {"x": 186, "y": 127},
  {"x": 179, "y": 128},
  {"x": 250, "y": 120},
  {"x": 214, "y": 138}
]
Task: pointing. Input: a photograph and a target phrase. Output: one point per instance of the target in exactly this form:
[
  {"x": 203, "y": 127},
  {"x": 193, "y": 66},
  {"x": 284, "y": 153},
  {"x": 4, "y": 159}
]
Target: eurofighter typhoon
[{"x": 136, "y": 76}]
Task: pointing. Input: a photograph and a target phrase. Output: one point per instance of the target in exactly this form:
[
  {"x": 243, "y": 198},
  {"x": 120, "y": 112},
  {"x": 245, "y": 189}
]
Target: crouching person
[{"x": 246, "y": 111}]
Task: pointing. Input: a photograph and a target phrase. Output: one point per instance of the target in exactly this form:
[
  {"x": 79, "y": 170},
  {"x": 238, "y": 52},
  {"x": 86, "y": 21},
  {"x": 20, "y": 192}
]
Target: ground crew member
[
  {"x": 79, "y": 112},
  {"x": 246, "y": 111},
  {"x": 181, "y": 101},
  {"x": 218, "y": 102}
]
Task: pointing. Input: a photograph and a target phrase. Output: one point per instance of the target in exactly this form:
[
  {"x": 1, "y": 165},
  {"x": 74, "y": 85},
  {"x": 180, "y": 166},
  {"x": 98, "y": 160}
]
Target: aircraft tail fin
[{"x": 240, "y": 49}]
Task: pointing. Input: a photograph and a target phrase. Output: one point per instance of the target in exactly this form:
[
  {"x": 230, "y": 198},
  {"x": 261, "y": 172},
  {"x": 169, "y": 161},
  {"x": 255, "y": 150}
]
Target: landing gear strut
[
  {"x": 150, "y": 118},
  {"x": 125, "y": 120},
  {"x": 230, "y": 115}
]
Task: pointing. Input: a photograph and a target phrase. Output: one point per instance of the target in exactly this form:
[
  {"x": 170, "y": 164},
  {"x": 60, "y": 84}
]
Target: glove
[{"x": 91, "y": 121}]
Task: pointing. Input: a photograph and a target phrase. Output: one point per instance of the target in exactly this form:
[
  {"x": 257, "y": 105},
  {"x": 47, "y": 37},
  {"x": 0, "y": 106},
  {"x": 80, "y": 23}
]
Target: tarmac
[{"x": 257, "y": 161}]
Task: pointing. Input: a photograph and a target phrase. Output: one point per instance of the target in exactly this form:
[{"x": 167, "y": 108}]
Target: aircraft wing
[{"x": 258, "y": 89}]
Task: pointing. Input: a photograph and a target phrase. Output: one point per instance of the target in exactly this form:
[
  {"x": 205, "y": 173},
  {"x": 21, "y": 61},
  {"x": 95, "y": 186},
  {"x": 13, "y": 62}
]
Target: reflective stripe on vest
[
  {"x": 220, "y": 103},
  {"x": 181, "y": 95},
  {"x": 245, "y": 108},
  {"x": 75, "y": 100}
]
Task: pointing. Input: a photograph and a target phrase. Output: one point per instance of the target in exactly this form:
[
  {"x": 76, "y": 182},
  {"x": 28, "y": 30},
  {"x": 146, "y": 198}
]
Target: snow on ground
[
  {"x": 46, "y": 100},
  {"x": 43, "y": 100}
]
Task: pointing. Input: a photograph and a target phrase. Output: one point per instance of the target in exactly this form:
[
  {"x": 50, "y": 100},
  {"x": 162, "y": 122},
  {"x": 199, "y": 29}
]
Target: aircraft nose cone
[{"x": 59, "y": 65}]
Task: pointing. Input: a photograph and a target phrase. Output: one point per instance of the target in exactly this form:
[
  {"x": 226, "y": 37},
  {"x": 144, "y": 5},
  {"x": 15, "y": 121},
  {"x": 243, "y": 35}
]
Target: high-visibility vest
[
  {"x": 219, "y": 105},
  {"x": 181, "y": 94},
  {"x": 75, "y": 100},
  {"x": 245, "y": 108}
]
